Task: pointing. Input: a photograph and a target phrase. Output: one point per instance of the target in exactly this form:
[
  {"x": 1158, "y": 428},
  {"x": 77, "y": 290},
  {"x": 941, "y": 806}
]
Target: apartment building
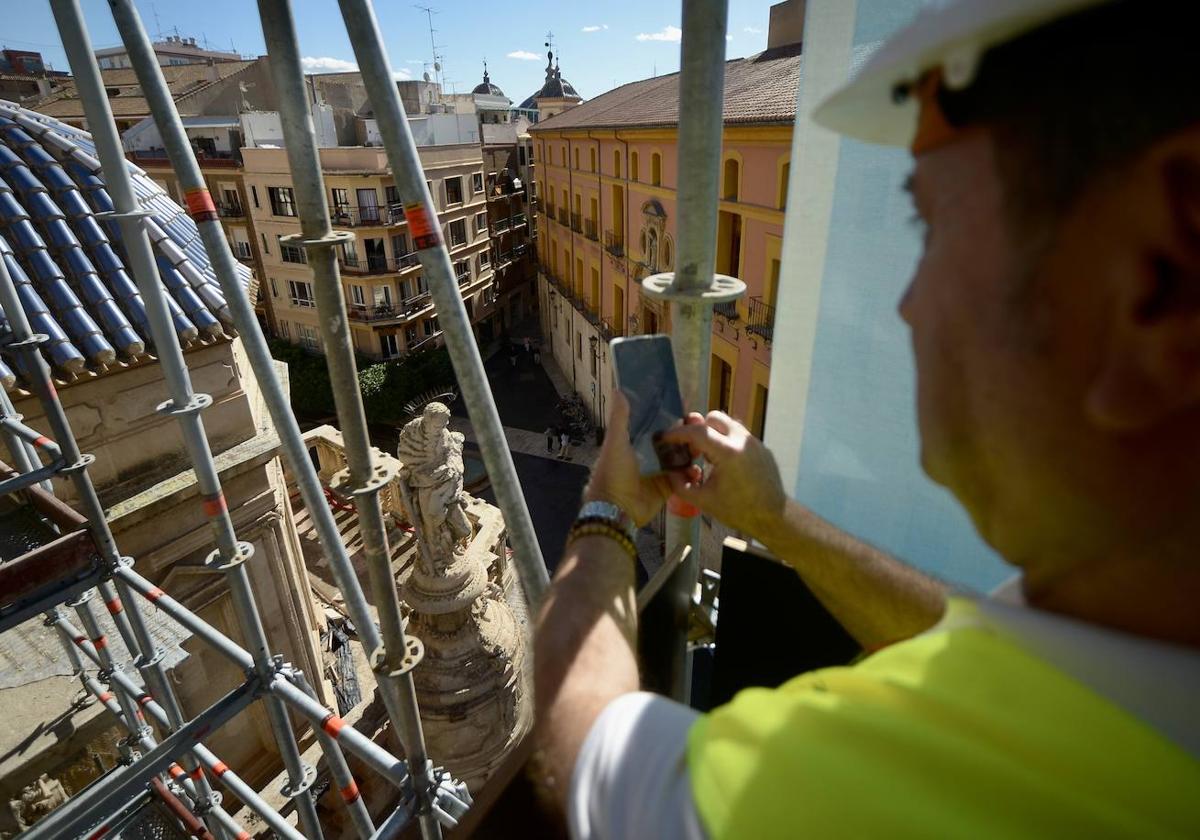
[
  {"x": 607, "y": 180},
  {"x": 386, "y": 292}
]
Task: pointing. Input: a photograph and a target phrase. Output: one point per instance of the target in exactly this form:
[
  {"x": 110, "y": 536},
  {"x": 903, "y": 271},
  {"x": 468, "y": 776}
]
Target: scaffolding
[{"x": 164, "y": 758}]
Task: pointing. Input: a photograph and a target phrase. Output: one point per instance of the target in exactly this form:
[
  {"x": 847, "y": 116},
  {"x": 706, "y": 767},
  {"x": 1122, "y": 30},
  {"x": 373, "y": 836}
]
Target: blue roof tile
[{"x": 68, "y": 266}]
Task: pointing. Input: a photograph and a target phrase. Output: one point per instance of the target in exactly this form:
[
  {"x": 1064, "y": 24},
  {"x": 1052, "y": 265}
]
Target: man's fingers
[
  {"x": 720, "y": 421},
  {"x": 702, "y": 439},
  {"x": 618, "y": 414},
  {"x": 694, "y": 418}
]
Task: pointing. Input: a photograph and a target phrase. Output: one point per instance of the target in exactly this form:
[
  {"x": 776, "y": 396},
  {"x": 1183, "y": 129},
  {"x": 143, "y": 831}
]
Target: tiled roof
[
  {"x": 128, "y": 101},
  {"x": 69, "y": 266},
  {"x": 760, "y": 89}
]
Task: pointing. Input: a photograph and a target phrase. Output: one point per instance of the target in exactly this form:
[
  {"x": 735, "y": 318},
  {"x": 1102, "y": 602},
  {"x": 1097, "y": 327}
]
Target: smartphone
[{"x": 645, "y": 373}]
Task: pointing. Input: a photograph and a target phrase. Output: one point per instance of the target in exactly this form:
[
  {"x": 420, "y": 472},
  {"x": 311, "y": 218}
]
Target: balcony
[
  {"x": 727, "y": 310},
  {"x": 562, "y": 217},
  {"x": 406, "y": 309},
  {"x": 231, "y": 211},
  {"x": 518, "y": 219},
  {"x": 241, "y": 251},
  {"x": 577, "y": 222},
  {"x": 590, "y": 312},
  {"x": 366, "y": 216},
  {"x": 500, "y": 224},
  {"x": 590, "y": 229},
  {"x": 354, "y": 264},
  {"x": 614, "y": 243},
  {"x": 762, "y": 319},
  {"x": 610, "y": 330}
]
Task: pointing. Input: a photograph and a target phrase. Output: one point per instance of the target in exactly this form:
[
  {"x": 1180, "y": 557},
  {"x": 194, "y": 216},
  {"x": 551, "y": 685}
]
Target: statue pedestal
[{"x": 470, "y": 686}]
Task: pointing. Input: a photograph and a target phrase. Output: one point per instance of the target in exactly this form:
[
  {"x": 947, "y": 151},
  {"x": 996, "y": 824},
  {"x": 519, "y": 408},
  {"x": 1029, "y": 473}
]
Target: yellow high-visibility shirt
[{"x": 957, "y": 732}]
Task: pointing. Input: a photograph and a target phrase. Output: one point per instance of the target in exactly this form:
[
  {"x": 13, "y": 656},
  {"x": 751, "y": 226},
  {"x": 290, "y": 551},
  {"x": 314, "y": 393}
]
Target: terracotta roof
[
  {"x": 69, "y": 266},
  {"x": 760, "y": 89},
  {"x": 182, "y": 79}
]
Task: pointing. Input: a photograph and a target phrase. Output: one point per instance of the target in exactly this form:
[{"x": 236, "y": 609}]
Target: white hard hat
[{"x": 948, "y": 34}]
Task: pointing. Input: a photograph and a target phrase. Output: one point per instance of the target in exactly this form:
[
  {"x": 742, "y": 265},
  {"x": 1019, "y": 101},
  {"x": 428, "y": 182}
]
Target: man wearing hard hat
[{"x": 1055, "y": 318}]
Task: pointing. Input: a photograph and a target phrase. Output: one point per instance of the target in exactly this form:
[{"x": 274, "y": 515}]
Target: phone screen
[{"x": 645, "y": 373}]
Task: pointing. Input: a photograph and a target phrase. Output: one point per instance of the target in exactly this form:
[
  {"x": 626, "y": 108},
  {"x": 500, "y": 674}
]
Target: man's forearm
[
  {"x": 876, "y": 597},
  {"x": 584, "y": 649}
]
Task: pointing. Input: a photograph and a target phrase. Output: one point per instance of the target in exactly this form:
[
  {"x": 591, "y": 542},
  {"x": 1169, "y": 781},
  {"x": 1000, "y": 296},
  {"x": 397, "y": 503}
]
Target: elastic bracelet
[{"x": 602, "y": 528}]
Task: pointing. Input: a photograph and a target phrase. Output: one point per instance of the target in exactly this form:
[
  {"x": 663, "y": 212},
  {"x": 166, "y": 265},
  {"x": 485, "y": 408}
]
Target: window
[
  {"x": 430, "y": 326},
  {"x": 432, "y": 195},
  {"x": 266, "y": 250},
  {"x": 308, "y": 337},
  {"x": 485, "y": 259},
  {"x": 656, "y": 169},
  {"x": 593, "y": 157},
  {"x": 382, "y": 296},
  {"x": 576, "y": 157},
  {"x": 357, "y": 296},
  {"x": 616, "y": 163},
  {"x": 274, "y": 291},
  {"x": 785, "y": 172},
  {"x": 579, "y": 346},
  {"x": 462, "y": 270},
  {"x": 301, "y": 293},
  {"x": 731, "y": 177},
  {"x": 341, "y": 201},
  {"x": 477, "y": 182},
  {"x": 283, "y": 202},
  {"x": 283, "y": 330},
  {"x": 391, "y": 195},
  {"x": 400, "y": 246},
  {"x": 254, "y": 194},
  {"x": 633, "y": 166},
  {"x": 292, "y": 253},
  {"x": 480, "y": 222},
  {"x": 410, "y": 335},
  {"x": 458, "y": 232},
  {"x": 454, "y": 193},
  {"x": 522, "y": 157},
  {"x": 389, "y": 346}
]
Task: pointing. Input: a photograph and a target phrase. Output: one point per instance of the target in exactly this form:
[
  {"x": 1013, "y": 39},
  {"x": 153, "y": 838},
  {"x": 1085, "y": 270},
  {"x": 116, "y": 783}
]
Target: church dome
[
  {"x": 555, "y": 86},
  {"x": 486, "y": 88}
]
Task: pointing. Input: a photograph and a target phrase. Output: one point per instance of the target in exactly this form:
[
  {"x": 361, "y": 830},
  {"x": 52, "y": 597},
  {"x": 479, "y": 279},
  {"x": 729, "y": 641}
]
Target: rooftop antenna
[
  {"x": 157, "y": 25},
  {"x": 429, "y": 13},
  {"x": 204, "y": 38}
]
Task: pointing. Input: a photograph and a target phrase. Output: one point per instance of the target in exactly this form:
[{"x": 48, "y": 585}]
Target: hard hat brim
[{"x": 949, "y": 35}]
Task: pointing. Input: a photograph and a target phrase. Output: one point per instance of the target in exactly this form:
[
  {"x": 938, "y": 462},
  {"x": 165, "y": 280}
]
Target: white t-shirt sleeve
[{"x": 631, "y": 778}]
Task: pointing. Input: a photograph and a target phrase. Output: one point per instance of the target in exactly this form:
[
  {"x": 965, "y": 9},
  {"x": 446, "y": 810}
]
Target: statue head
[{"x": 435, "y": 417}]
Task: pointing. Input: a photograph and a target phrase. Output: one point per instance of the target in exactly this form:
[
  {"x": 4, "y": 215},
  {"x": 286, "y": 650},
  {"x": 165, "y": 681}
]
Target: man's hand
[
  {"x": 742, "y": 486},
  {"x": 615, "y": 477}
]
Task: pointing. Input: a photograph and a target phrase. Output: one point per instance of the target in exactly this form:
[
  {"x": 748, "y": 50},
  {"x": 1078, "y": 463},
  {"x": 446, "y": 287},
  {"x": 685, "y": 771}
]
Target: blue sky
[{"x": 602, "y": 44}]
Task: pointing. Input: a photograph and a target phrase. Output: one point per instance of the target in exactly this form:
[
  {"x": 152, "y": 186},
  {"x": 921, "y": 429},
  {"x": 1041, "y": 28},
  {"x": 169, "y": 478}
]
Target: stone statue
[{"x": 432, "y": 458}]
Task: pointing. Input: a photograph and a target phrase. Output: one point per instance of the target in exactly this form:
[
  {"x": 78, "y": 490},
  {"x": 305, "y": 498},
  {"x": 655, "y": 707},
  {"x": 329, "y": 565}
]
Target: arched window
[
  {"x": 616, "y": 163},
  {"x": 576, "y": 157},
  {"x": 732, "y": 176},
  {"x": 784, "y": 173},
  {"x": 592, "y": 154},
  {"x": 656, "y": 169},
  {"x": 633, "y": 166},
  {"x": 666, "y": 254}
]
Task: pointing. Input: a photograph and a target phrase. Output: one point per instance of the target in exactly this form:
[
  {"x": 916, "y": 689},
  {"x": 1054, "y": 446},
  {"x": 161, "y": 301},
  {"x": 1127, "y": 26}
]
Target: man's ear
[{"x": 1151, "y": 368}]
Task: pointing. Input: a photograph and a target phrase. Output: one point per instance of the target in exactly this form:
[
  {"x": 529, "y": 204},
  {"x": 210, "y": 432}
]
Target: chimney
[{"x": 787, "y": 24}]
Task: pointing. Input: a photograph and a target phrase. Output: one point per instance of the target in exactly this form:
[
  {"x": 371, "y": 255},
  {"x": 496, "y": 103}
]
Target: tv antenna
[{"x": 433, "y": 47}]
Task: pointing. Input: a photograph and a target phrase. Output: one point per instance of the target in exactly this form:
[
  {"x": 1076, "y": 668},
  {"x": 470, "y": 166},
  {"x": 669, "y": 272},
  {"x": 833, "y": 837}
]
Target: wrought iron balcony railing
[
  {"x": 614, "y": 243},
  {"x": 577, "y": 222},
  {"x": 762, "y": 318},
  {"x": 365, "y": 216},
  {"x": 727, "y": 310},
  {"x": 590, "y": 228}
]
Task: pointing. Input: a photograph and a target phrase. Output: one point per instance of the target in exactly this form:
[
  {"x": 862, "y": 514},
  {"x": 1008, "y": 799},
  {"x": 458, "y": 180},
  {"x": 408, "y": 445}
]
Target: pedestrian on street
[
  {"x": 512, "y": 355},
  {"x": 537, "y": 354},
  {"x": 564, "y": 444},
  {"x": 551, "y": 434},
  {"x": 528, "y": 344}
]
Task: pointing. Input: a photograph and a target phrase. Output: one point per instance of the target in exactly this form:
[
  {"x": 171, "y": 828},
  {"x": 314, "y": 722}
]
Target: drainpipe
[{"x": 692, "y": 291}]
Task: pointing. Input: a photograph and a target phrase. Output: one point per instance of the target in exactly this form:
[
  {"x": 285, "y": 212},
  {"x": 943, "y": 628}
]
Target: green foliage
[{"x": 386, "y": 386}]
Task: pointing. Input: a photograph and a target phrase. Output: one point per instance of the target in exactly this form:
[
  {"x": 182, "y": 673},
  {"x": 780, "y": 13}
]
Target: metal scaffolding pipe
[
  {"x": 91, "y": 626},
  {"x": 407, "y": 172},
  {"x": 179, "y": 811},
  {"x": 701, "y": 89},
  {"x": 77, "y": 813},
  {"x": 295, "y": 450},
  {"x": 189, "y": 777},
  {"x": 24, "y": 456},
  {"x": 338, "y": 768},
  {"x": 366, "y": 479},
  {"x": 185, "y": 405}
]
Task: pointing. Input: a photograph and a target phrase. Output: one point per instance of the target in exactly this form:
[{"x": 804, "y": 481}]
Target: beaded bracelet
[{"x": 602, "y": 528}]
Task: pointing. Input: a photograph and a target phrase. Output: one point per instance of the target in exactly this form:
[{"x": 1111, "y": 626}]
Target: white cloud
[
  {"x": 325, "y": 64},
  {"x": 753, "y": 30},
  {"x": 524, "y": 55},
  {"x": 728, "y": 37},
  {"x": 594, "y": 27},
  {"x": 668, "y": 33},
  {"x": 414, "y": 61},
  {"x": 403, "y": 74}
]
